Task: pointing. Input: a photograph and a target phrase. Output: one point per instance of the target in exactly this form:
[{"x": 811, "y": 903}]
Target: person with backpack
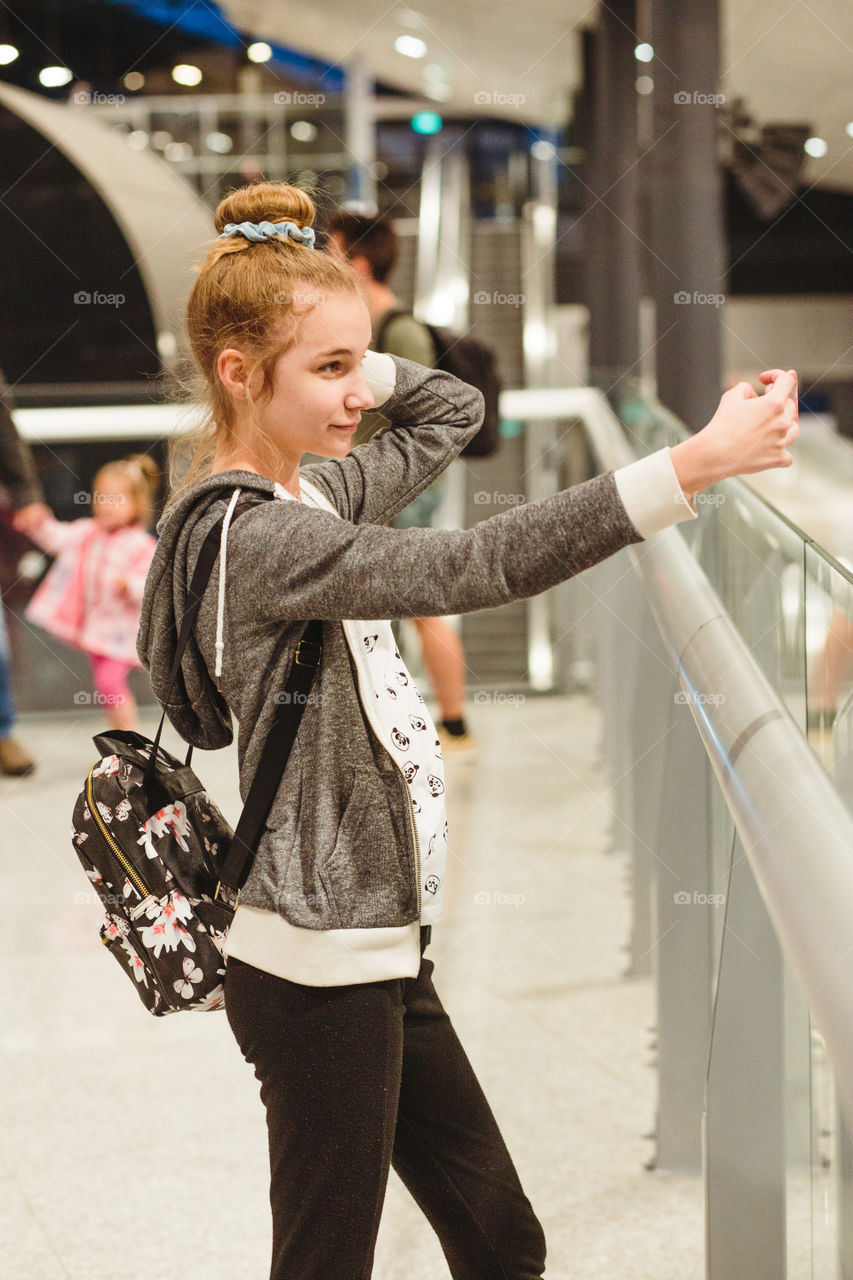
[
  {"x": 371, "y": 245},
  {"x": 327, "y": 988}
]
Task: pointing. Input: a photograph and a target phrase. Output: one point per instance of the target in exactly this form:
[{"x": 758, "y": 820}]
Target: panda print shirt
[{"x": 401, "y": 721}]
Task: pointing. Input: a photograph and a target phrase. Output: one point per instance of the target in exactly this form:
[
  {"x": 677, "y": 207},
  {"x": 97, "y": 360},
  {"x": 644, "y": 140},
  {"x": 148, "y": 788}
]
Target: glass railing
[{"x": 792, "y": 602}]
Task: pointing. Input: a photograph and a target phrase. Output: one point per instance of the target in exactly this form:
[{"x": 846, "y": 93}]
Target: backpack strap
[
  {"x": 291, "y": 704},
  {"x": 388, "y": 319}
]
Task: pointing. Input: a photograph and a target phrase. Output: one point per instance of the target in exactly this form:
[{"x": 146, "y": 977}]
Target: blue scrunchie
[{"x": 258, "y": 231}]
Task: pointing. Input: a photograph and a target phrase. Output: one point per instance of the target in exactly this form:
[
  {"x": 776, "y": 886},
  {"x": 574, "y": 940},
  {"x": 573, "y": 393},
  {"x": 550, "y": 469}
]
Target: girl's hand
[{"x": 748, "y": 433}]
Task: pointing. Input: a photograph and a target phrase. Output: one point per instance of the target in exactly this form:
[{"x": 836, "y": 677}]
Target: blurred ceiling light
[
  {"x": 645, "y": 84},
  {"x": 259, "y": 51},
  {"x": 303, "y": 131},
  {"x": 137, "y": 140},
  {"x": 410, "y": 46},
  {"x": 178, "y": 151},
  {"x": 849, "y": 129},
  {"x": 221, "y": 143},
  {"x": 8, "y": 53},
  {"x": 185, "y": 73},
  {"x": 161, "y": 138},
  {"x": 543, "y": 150},
  {"x": 435, "y": 72},
  {"x": 53, "y": 77},
  {"x": 815, "y": 147},
  {"x": 133, "y": 80},
  {"x": 644, "y": 53}
]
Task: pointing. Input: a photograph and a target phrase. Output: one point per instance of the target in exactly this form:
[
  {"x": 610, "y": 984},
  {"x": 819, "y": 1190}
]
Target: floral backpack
[{"x": 163, "y": 860}]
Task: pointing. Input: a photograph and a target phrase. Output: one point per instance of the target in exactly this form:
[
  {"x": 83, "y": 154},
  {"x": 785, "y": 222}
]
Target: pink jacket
[{"x": 78, "y": 600}]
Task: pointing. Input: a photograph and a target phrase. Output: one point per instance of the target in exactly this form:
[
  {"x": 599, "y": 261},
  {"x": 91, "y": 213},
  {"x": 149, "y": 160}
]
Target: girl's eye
[{"x": 333, "y": 364}]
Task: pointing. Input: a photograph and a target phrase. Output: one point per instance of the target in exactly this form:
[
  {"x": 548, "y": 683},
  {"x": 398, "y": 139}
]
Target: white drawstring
[{"x": 220, "y": 603}]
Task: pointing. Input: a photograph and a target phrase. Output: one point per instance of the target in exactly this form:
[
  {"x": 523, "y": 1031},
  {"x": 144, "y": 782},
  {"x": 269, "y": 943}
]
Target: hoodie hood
[{"x": 196, "y": 708}]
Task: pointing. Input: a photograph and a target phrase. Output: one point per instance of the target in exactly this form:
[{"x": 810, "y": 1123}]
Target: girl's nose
[{"x": 360, "y": 396}]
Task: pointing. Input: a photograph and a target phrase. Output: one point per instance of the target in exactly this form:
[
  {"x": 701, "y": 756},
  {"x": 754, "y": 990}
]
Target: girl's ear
[{"x": 232, "y": 371}]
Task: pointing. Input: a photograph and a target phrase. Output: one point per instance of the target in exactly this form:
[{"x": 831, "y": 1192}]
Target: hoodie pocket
[{"x": 364, "y": 874}]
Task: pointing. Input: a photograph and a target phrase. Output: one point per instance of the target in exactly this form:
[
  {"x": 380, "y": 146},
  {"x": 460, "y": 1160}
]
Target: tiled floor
[{"x": 134, "y": 1147}]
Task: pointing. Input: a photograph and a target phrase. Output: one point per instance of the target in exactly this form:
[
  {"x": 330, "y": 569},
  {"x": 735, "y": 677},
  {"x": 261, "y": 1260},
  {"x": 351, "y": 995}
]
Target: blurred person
[
  {"x": 327, "y": 988},
  {"x": 91, "y": 596},
  {"x": 18, "y": 477},
  {"x": 372, "y": 246}
]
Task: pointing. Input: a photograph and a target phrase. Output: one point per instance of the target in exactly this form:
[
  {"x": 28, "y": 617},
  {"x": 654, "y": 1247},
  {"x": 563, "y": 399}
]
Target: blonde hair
[
  {"x": 140, "y": 475},
  {"x": 247, "y": 296}
]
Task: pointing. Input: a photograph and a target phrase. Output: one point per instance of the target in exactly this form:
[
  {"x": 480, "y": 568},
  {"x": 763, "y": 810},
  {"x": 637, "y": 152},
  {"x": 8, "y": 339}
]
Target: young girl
[
  {"x": 327, "y": 990},
  {"x": 91, "y": 596}
]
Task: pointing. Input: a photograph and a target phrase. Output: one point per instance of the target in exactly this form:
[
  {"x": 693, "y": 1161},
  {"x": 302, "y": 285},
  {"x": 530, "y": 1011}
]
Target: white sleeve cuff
[
  {"x": 651, "y": 494},
  {"x": 380, "y": 374}
]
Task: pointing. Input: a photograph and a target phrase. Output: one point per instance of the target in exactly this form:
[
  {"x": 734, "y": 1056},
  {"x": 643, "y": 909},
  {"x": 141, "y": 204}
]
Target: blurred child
[{"x": 92, "y": 594}]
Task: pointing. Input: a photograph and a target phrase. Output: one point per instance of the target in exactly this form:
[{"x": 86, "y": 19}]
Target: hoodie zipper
[{"x": 372, "y": 723}]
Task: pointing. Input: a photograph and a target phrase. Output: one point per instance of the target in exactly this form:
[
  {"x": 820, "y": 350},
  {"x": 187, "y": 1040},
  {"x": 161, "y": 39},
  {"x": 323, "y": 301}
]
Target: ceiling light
[
  {"x": 137, "y": 140},
  {"x": 133, "y": 80},
  {"x": 645, "y": 84},
  {"x": 8, "y": 53},
  {"x": 410, "y": 46},
  {"x": 221, "y": 143},
  {"x": 303, "y": 131},
  {"x": 644, "y": 53},
  {"x": 54, "y": 77},
  {"x": 185, "y": 73},
  {"x": 849, "y": 129},
  {"x": 543, "y": 150},
  {"x": 815, "y": 147},
  {"x": 260, "y": 51}
]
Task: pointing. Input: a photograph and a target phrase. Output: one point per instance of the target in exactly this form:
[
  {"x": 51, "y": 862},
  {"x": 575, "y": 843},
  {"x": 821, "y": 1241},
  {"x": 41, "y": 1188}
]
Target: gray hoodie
[{"x": 338, "y": 850}]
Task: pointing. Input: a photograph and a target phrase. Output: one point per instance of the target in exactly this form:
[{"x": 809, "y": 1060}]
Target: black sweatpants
[{"x": 354, "y": 1079}]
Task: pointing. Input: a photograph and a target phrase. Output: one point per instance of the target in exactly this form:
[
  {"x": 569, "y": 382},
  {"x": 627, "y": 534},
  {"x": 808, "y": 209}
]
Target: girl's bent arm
[{"x": 433, "y": 416}]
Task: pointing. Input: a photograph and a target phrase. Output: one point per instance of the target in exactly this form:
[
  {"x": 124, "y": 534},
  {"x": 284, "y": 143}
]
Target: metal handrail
[{"x": 795, "y": 829}]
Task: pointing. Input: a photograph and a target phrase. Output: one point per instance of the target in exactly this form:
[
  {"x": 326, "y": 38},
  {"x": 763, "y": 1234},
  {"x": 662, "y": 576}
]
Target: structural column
[
  {"x": 612, "y": 217},
  {"x": 685, "y": 198}
]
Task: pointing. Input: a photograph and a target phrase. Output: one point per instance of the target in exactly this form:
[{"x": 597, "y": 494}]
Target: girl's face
[
  {"x": 318, "y": 388},
  {"x": 113, "y": 504}
]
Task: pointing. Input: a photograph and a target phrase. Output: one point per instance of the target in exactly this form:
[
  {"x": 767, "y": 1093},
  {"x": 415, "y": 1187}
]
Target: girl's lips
[{"x": 344, "y": 426}]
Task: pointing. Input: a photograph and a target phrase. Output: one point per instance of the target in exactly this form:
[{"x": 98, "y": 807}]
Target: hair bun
[{"x": 265, "y": 202}]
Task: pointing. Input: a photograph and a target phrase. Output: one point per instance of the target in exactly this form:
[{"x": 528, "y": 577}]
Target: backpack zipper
[{"x": 133, "y": 875}]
